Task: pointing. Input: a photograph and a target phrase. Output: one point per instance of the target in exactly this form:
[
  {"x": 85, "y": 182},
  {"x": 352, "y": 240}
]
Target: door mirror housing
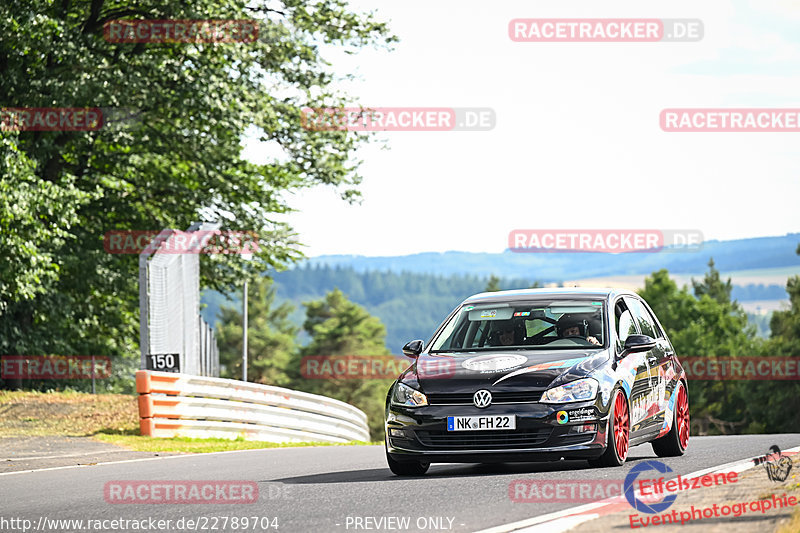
[
  {"x": 413, "y": 348},
  {"x": 638, "y": 343}
]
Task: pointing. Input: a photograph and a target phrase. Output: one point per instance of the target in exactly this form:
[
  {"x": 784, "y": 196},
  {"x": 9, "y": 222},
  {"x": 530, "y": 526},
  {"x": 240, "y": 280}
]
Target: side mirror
[
  {"x": 413, "y": 348},
  {"x": 638, "y": 343}
]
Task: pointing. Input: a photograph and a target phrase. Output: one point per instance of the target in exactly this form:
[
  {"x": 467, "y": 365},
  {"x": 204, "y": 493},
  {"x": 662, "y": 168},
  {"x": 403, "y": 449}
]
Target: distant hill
[
  {"x": 409, "y": 305},
  {"x": 742, "y": 254},
  {"x": 411, "y": 301}
]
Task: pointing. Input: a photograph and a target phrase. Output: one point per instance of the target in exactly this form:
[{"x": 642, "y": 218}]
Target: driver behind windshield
[
  {"x": 503, "y": 334},
  {"x": 569, "y": 326}
]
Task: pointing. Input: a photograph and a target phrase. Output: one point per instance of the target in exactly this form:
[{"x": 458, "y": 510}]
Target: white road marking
[
  {"x": 37, "y": 457},
  {"x": 143, "y": 459}
]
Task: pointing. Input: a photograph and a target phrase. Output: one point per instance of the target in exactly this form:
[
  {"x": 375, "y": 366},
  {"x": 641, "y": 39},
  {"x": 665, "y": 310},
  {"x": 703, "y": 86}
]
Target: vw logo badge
[{"x": 482, "y": 398}]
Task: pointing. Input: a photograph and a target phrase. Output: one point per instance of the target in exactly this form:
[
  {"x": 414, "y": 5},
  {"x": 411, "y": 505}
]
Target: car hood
[{"x": 502, "y": 370}]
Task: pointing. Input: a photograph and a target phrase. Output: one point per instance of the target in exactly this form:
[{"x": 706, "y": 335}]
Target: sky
[{"x": 577, "y": 142}]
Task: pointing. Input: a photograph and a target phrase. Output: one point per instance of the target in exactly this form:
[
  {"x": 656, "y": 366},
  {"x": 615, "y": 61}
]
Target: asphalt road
[
  {"x": 34, "y": 453},
  {"x": 347, "y": 488}
]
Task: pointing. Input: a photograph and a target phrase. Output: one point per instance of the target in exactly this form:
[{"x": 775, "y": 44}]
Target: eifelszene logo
[{"x": 630, "y": 494}]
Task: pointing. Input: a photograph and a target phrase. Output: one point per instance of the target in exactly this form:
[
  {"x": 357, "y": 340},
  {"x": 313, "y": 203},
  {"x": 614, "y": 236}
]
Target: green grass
[
  {"x": 187, "y": 445},
  {"x": 111, "y": 418}
]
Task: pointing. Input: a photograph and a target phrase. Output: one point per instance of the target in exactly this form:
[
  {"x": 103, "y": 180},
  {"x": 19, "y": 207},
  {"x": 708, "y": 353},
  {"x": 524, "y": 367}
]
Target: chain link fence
[{"x": 173, "y": 336}]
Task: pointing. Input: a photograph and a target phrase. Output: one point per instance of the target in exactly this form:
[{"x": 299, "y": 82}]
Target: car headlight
[
  {"x": 408, "y": 397},
  {"x": 574, "y": 391}
]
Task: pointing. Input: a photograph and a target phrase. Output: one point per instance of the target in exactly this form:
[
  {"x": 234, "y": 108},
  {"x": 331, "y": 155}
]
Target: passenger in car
[
  {"x": 505, "y": 335},
  {"x": 570, "y": 326}
]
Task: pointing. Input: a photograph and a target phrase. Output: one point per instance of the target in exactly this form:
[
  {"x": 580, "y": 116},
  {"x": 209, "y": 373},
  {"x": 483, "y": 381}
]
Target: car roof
[{"x": 555, "y": 292}]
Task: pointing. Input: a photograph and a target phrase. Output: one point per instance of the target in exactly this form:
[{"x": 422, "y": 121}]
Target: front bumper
[{"x": 537, "y": 437}]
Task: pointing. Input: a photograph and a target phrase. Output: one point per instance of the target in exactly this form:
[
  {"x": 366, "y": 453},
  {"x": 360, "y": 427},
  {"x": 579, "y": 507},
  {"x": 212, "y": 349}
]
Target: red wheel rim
[
  {"x": 682, "y": 418},
  {"x": 621, "y": 426}
]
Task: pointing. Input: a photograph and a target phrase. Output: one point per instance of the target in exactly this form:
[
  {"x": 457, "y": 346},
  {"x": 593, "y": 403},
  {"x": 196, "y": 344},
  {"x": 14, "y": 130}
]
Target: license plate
[{"x": 481, "y": 423}]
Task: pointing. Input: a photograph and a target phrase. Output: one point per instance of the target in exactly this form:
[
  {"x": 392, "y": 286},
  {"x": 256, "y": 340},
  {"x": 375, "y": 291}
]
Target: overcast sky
[{"x": 577, "y": 142}]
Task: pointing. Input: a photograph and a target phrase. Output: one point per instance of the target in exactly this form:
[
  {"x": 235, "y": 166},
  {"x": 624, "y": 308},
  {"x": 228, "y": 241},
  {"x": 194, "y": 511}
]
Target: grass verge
[
  {"x": 110, "y": 418},
  {"x": 186, "y": 445}
]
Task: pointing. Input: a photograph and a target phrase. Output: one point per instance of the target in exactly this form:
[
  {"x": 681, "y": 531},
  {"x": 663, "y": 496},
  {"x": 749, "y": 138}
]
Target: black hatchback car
[{"x": 539, "y": 375}]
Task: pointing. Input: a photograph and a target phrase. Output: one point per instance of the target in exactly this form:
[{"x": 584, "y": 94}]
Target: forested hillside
[
  {"x": 740, "y": 254},
  {"x": 410, "y": 305},
  {"x": 702, "y": 320}
]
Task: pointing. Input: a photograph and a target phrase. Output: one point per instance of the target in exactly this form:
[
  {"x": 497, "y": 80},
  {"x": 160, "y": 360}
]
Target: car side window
[
  {"x": 656, "y": 327},
  {"x": 643, "y": 318},
  {"x": 623, "y": 321}
]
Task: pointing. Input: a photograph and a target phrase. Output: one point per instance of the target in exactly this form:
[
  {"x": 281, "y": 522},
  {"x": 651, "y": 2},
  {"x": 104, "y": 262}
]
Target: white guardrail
[{"x": 182, "y": 405}]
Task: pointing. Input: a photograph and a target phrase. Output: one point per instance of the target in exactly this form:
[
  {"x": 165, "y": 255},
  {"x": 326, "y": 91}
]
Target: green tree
[
  {"x": 271, "y": 337},
  {"x": 785, "y": 325},
  {"x": 493, "y": 285},
  {"x": 179, "y": 161},
  {"x": 706, "y": 326},
  {"x": 337, "y": 326},
  {"x": 775, "y": 405},
  {"x": 670, "y": 304},
  {"x": 33, "y": 225},
  {"x": 713, "y": 286}
]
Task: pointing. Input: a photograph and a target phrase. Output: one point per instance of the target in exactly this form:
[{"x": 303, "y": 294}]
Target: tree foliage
[
  {"x": 271, "y": 337},
  {"x": 775, "y": 406},
  {"x": 170, "y": 152},
  {"x": 709, "y": 324},
  {"x": 338, "y": 326},
  {"x": 713, "y": 286},
  {"x": 493, "y": 285},
  {"x": 410, "y": 305}
]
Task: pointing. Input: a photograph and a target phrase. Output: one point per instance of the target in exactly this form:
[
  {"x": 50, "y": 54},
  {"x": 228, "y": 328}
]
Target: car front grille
[
  {"x": 580, "y": 438},
  {"x": 465, "y": 440},
  {"x": 497, "y": 397}
]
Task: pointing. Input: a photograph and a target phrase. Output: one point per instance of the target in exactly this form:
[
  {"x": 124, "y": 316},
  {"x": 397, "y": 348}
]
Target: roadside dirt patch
[
  {"x": 24, "y": 413},
  {"x": 44, "y": 430}
]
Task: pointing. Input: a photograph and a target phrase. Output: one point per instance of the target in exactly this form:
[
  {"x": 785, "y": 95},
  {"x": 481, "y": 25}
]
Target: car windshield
[{"x": 524, "y": 325}]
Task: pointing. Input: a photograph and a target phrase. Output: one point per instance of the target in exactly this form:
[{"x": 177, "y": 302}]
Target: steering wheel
[{"x": 574, "y": 338}]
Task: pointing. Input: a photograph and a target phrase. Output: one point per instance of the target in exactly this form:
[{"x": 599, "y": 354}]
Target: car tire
[
  {"x": 618, "y": 434},
  {"x": 674, "y": 443},
  {"x": 407, "y": 468}
]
